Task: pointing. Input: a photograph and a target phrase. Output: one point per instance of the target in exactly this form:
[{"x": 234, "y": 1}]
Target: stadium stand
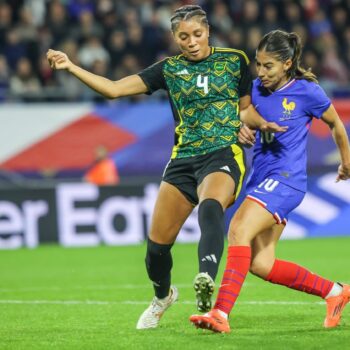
[{"x": 107, "y": 36}]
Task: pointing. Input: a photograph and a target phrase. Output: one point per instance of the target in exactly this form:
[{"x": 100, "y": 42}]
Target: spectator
[
  {"x": 28, "y": 34},
  {"x": 37, "y": 9},
  {"x": 26, "y": 28},
  {"x": 24, "y": 83},
  {"x": 334, "y": 70},
  {"x": 129, "y": 65},
  {"x": 45, "y": 72},
  {"x": 77, "y": 7},
  {"x": 311, "y": 61},
  {"x": 87, "y": 27},
  {"x": 252, "y": 40},
  {"x": 250, "y": 14},
  {"x": 270, "y": 19},
  {"x": 5, "y": 22},
  {"x": 136, "y": 44},
  {"x": 30, "y": 27},
  {"x": 57, "y": 22},
  {"x": 92, "y": 51},
  {"x": 220, "y": 18},
  {"x": 319, "y": 24},
  {"x": 104, "y": 8},
  {"x": 4, "y": 78},
  {"x": 235, "y": 38},
  {"x": 339, "y": 20},
  {"x": 103, "y": 171},
  {"x": 117, "y": 46},
  {"x": 14, "y": 48},
  {"x": 293, "y": 14}
]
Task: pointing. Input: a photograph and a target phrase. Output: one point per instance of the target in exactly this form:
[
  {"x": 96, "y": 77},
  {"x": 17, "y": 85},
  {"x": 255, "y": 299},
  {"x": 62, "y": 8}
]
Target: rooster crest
[{"x": 288, "y": 107}]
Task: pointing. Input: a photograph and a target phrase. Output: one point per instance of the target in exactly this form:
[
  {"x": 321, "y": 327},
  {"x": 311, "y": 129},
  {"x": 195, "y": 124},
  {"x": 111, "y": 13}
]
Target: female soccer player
[
  {"x": 209, "y": 90},
  {"x": 287, "y": 94}
]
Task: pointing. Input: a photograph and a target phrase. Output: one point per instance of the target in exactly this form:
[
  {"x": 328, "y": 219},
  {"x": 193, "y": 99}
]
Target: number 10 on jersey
[
  {"x": 202, "y": 82},
  {"x": 267, "y": 137}
]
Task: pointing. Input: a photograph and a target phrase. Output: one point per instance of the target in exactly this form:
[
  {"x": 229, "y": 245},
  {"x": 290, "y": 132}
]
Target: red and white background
[{"x": 60, "y": 139}]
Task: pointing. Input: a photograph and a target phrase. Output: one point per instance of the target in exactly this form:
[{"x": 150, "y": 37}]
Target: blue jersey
[{"x": 283, "y": 155}]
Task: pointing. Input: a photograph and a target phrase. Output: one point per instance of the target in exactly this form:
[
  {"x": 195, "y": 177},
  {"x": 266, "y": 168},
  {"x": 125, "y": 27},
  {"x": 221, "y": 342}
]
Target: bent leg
[
  {"x": 266, "y": 266},
  {"x": 263, "y": 251},
  {"x": 297, "y": 277},
  {"x": 249, "y": 221},
  {"x": 215, "y": 194},
  {"x": 170, "y": 212}
]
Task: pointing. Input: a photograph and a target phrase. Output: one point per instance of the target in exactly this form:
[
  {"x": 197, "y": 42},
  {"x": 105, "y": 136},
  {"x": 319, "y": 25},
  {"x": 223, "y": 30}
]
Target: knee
[
  {"x": 157, "y": 249},
  {"x": 238, "y": 234},
  {"x": 158, "y": 260},
  {"x": 261, "y": 267},
  {"x": 210, "y": 209}
]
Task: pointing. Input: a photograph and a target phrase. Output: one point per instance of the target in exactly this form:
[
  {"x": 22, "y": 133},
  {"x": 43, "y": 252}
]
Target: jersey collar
[{"x": 283, "y": 87}]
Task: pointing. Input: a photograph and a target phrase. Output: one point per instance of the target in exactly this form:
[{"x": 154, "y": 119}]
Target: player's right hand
[
  {"x": 273, "y": 127},
  {"x": 58, "y": 59},
  {"x": 343, "y": 172}
]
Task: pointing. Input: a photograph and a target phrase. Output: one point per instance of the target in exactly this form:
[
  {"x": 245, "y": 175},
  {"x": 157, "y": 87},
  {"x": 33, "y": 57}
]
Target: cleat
[
  {"x": 335, "y": 307},
  {"x": 203, "y": 285},
  {"x": 151, "y": 316},
  {"x": 211, "y": 321}
]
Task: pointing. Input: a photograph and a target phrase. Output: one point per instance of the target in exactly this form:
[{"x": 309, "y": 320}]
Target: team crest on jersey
[
  {"x": 220, "y": 66},
  {"x": 288, "y": 107}
]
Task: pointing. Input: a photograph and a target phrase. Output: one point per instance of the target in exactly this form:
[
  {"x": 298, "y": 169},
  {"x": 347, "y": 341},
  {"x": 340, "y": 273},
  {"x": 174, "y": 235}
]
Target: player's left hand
[
  {"x": 273, "y": 127},
  {"x": 246, "y": 136},
  {"x": 343, "y": 172}
]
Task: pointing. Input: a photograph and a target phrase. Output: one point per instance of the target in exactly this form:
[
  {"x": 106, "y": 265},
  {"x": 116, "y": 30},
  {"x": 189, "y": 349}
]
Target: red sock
[
  {"x": 297, "y": 277},
  {"x": 237, "y": 267}
]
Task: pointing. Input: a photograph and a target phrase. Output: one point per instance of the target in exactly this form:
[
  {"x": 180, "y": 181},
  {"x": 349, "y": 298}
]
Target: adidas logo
[
  {"x": 211, "y": 257},
  {"x": 226, "y": 168},
  {"x": 182, "y": 72}
]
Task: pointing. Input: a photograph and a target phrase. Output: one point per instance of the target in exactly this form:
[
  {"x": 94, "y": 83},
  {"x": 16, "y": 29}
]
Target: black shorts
[{"x": 186, "y": 174}]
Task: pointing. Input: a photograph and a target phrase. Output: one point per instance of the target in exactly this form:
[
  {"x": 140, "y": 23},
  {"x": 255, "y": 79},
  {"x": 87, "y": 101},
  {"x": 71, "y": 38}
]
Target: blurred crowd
[{"x": 115, "y": 38}]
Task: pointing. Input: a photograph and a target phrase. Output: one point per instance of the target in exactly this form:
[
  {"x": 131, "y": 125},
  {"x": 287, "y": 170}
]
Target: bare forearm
[
  {"x": 100, "y": 84},
  {"x": 252, "y": 118},
  {"x": 342, "y": 141}
]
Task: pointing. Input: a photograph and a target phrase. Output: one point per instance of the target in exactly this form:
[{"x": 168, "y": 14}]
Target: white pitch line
[
  {"x": 97, "y": 287},
  {"x": 135, "y": 302},
  {"x": 94, "y": 287}
]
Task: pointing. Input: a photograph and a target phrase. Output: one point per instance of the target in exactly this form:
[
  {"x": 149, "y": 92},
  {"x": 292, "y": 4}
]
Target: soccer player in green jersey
[{"x": 209, "y": 93}]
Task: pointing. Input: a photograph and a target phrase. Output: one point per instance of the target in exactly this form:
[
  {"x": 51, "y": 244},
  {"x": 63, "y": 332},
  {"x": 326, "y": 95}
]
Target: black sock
[
  {"x": 211, "y": 243},
  {"x": 158, "y": 264}
]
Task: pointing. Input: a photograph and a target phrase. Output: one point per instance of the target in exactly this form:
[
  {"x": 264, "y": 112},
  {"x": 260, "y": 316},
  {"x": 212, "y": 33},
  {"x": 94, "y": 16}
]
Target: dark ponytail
[{"x": 286, "y": 46}]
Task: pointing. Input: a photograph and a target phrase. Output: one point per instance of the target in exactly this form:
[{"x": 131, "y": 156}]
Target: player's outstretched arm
[
  {"x": 254, "y": 120},
  {"x": 130, "y": 85},
  {"x": 331, "y": 118}
]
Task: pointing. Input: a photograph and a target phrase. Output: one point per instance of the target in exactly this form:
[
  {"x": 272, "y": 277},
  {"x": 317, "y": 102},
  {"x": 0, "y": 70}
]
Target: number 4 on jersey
[{"x": 202, "y": 82}]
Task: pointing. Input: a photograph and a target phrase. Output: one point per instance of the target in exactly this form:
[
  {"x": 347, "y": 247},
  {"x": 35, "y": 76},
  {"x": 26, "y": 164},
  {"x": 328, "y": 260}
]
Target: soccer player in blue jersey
[
  {"x": 209, "y": 91},
  {"x": 287, "y": 94}
]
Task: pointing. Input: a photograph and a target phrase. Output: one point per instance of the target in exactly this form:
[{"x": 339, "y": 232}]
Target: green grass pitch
[{"x": 91, "y": 298}]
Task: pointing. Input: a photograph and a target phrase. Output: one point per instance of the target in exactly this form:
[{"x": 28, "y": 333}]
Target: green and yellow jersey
[{"x": 204, "y": 96}]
